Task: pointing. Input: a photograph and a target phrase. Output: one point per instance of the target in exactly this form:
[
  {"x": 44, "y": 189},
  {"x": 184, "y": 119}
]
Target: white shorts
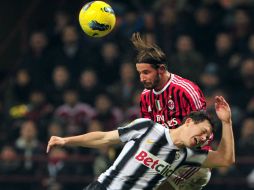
[{"x": 186, "y": 178}]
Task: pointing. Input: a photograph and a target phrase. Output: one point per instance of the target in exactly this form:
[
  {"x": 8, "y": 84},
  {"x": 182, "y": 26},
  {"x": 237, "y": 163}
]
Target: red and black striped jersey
[{"x": 170, "y": 105}]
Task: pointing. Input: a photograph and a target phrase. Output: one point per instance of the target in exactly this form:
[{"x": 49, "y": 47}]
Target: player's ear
[
  {"x": 188, "y": 121},
  {"x": 162, "y": 68}
]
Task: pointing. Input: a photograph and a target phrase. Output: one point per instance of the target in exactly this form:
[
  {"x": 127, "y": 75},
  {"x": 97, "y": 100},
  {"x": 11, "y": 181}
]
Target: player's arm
[
  {"x": 225, "y": 154},
  {"x": 91, "y": 140}
]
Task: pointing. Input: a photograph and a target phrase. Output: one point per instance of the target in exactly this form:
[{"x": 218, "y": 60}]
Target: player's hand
[
  {"x": 222, "y": 109},
  {"x": 55, "y": 141}
]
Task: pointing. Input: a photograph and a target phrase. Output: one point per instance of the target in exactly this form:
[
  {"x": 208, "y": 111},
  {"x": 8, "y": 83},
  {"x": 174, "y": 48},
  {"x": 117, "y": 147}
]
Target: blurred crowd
[{"x": 67, "y": 84}]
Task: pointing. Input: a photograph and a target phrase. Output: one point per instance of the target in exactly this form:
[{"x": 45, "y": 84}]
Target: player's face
[
  {"x": 198, "y": 134},
  {"x": 149, "y": 76}
]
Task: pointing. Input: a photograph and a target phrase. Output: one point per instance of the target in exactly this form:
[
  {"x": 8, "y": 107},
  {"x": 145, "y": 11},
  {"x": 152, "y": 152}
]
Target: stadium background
[{"x": 56, "y": 80}]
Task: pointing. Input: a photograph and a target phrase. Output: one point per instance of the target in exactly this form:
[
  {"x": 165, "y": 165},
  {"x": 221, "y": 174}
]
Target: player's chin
[{"x": 148, "y": 86}]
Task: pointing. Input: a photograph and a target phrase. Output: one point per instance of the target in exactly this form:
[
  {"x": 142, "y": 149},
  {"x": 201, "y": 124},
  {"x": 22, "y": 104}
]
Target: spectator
[
  {"x": 29, "y": 146},
  {"x": 223, "y": 50},
  {"x": 72, "y": 54},
  {"x": 55, "y": 129},
  {"x": 61, "y": 19},
  {"x": 123, "y": 90},
  {"x": 245, "y": 144},
  {"x": 246, "y": 139},
  {"x": 36, "y": 61},
  {"x": 39, "y": 110},
  {"x": 57, "y": 167},
  {"x": 19, "y": 88},
  {"x": 108, "y": 63},
  {"x": 10, "y": 163},
  {"x": 203, "y": 30},
  {"x": 186, "y": 62},
  {"x": 89, "y": 86},
  {"x": 209, "y": 79},
  {"x": 106, "y": 112},
  {"x": 60, "y": 81},
  {"x": 241, "y": 29},
  {"x": 167, "y": 28},
  {"x": 73, "y": 113},
  {"x": 10, "y": 166},
  {"x": 245, "y": 83},
  {"x": 250, "y": 51}
]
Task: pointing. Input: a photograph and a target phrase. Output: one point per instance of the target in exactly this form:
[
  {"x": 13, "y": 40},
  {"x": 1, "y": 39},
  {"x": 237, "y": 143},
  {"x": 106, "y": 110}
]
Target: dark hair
[
  {"x": 198, "y": 117},
  {"x": 148, "y": 53}
]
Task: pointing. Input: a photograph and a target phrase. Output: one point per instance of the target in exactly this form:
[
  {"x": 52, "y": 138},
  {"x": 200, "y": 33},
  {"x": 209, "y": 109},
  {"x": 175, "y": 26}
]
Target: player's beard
[{"x": 154, "y": 84}]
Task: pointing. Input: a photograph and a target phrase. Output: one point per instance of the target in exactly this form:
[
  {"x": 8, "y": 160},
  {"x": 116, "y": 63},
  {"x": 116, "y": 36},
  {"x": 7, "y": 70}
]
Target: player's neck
[
  {"x": 175, "y": 135},
  {"x": 164, "y": 80}
]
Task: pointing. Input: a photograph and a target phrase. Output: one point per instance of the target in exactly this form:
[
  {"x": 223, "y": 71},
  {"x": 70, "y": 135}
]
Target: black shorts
[{"x": 95, "y": 186}]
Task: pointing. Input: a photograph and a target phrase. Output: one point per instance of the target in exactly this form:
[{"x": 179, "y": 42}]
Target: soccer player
[
  {"x": 152, "y": 152},
  {"x": 167, "y": 99}
]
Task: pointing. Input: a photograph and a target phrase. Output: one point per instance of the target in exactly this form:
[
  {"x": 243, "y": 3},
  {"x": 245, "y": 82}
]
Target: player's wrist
[
  {"x": 227, "y": 122},
  {"x": 66, "y": 141}
]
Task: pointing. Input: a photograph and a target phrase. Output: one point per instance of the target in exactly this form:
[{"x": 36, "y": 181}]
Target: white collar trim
[{"x": 168, "y": 83}]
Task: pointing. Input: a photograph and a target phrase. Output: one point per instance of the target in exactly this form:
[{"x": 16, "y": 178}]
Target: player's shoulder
[
  {"x": 183, "y": 83},
  {"x": 137, "y": 122},
  {"x": 141, "y": 120},
  {"x": 176, "y": 79},
  {"x": 145, "y": 92}
]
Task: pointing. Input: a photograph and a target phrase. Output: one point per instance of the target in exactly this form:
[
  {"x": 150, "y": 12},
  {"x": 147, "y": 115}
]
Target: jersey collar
[{"x": 166, "y": 85}]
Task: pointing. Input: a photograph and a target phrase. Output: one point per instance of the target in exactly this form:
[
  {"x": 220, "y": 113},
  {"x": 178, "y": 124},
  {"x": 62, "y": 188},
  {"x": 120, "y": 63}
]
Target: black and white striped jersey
[{"x": 148, "y": 157}]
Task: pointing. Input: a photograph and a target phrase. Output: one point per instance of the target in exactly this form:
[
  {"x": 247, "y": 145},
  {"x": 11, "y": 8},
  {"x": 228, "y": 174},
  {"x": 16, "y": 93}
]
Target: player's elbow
[
  {"x": 232, "y": 161},
  {"x": 228, "y": 162}
]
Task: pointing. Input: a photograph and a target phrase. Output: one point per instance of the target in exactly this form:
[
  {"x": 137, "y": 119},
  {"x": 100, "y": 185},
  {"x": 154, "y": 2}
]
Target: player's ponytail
[{"x": 147, "y": 53}]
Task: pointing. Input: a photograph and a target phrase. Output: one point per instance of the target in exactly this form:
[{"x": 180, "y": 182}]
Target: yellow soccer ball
[{"x": 97, "y": 18}]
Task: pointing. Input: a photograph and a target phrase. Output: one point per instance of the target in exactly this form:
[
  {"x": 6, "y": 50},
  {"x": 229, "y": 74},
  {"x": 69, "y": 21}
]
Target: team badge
[
  {"x": 171, "y": 104},
  {"x": 150, "y": 141},
  {"x": 177, "y": 156}
]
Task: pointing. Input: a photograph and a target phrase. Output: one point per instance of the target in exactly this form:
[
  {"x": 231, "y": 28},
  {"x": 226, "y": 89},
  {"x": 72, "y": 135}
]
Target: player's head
[
  {"x": 151, "y": 61},
  {"x": 197, "y": 129}
]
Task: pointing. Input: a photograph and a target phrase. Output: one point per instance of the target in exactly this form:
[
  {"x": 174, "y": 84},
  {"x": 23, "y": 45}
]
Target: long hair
[{"x": 146, "y": 52}]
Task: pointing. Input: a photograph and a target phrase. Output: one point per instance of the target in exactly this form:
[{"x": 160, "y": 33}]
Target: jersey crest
[{"x": 171, "y": 104}]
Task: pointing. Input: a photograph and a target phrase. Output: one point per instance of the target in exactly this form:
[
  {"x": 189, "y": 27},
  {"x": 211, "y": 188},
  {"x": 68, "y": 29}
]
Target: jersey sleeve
[
  {"x": 144, "y": 106},
  {"x": 134, "y": 129},
  {"x": 195, "y": 157},
  {"x": 194, "y": 98}
]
